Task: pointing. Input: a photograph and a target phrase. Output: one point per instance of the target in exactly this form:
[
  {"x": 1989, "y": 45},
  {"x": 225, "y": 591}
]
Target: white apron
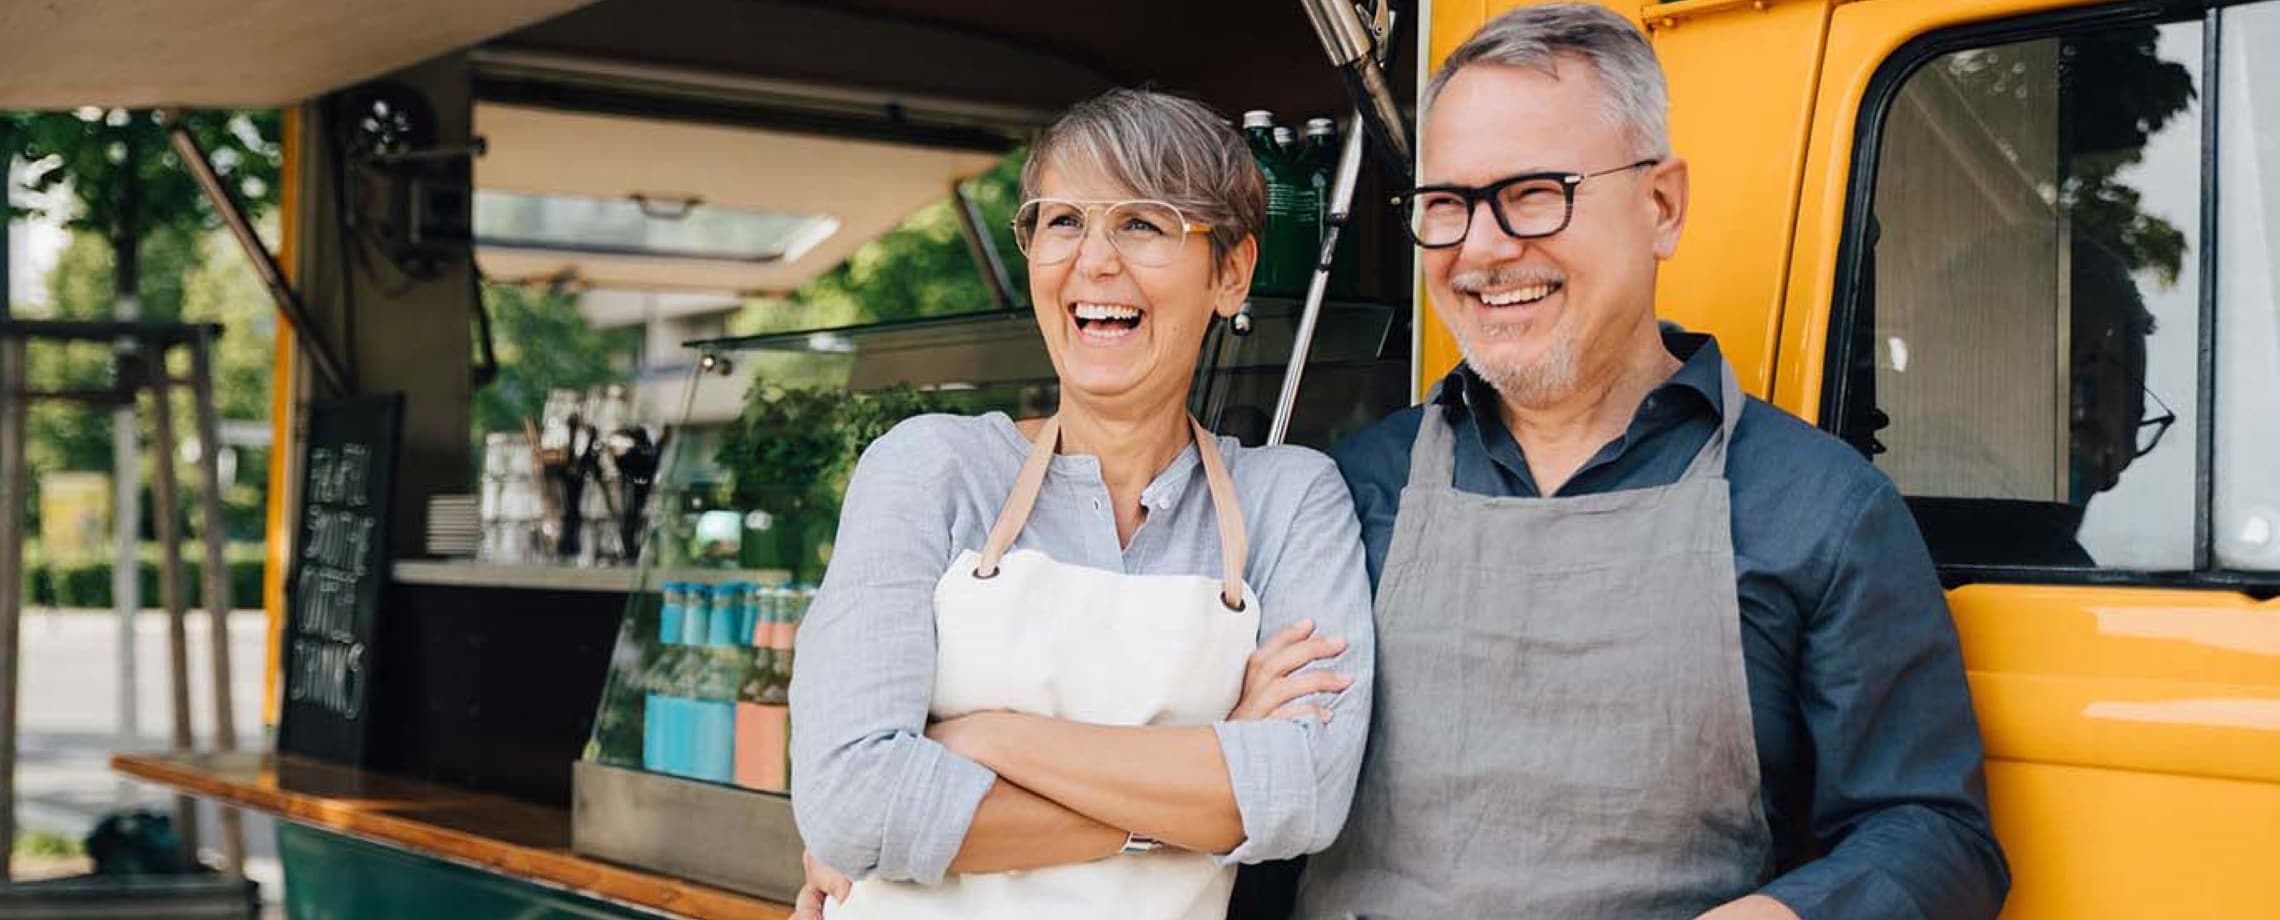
[{"x": 1026, "y": 633}]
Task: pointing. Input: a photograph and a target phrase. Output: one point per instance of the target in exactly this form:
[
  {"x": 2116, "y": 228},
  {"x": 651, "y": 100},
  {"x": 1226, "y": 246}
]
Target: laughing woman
[{"x": 1104, "y": 648}]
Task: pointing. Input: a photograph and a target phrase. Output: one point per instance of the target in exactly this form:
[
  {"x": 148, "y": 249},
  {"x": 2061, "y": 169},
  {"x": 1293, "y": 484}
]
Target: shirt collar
[
  {"x": 1162, "y": 492},
  {"x": 1470, "y": 401},
  {"x": 1165, "y": 490},
  {"x": 1700, "y": 364}
]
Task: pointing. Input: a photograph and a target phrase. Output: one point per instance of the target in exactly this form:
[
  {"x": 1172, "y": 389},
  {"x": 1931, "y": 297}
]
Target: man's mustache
[{"x": 1481, "y": 279}]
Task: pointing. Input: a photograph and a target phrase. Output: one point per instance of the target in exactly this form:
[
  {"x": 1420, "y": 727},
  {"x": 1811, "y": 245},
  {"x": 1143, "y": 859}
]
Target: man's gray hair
[
  {"x": 1537, "y": 37},
  {"x": 1165, "y": 147}
]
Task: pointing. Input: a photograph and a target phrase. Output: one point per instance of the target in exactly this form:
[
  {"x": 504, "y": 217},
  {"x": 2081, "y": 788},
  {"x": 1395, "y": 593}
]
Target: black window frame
[{"x": 1837, "y": 398}]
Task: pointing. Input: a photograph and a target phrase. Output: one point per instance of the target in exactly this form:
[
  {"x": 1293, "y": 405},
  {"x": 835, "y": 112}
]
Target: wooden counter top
[
  {"x": 493, "y": 833},
  {"x": 467, "y": 573}
]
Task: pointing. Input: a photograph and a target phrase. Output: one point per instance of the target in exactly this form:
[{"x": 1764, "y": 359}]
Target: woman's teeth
[
  {"x": 1106, "y": 320},
  {"x": 1518, "y": 295}
]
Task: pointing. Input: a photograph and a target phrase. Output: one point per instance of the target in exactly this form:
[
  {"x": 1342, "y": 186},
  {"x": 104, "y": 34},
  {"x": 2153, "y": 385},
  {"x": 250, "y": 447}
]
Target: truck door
[{"x": 2051, "y": 315}]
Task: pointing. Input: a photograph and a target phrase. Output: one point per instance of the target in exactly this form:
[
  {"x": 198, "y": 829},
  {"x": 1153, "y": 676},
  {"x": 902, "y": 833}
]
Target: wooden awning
[{"x": 231, "y": 53}]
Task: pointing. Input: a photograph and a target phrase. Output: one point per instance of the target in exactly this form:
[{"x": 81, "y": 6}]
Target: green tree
[
  {"x": 2120, "y": 92},
  {"x": 2128, "y": 94},
  {"x": 922, "y": 268},
  {"x": 221, "y": 287},
  {"x": 192, "y": 278},
  {"x": 126, "y": 181},
  {"x": 138, "y": 218},
  {"x": 544, "y": 343},
  {"x": 75, "y": 436}
]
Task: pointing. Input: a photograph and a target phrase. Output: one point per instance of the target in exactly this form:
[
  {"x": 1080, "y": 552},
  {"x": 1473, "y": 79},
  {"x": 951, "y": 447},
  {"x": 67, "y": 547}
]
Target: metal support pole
[
  {"x": 288, "y": 301},
  {"x": 1358, "y": 49},
  {"x": 164, "y": 489},
  {"x": 217, "y": 577},
  {"x": 126, "y": 542},
  {"x": 1339, "y": 211},
  {"x": 11, "y": 566},
  {"x": 983, "y": 247}
]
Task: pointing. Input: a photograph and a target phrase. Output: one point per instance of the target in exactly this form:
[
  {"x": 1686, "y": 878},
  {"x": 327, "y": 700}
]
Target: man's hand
[
  {"x": 1272, "y": 691},
  {"x": 821, "y": 880},
  {"x": 1754, "y": 907}
]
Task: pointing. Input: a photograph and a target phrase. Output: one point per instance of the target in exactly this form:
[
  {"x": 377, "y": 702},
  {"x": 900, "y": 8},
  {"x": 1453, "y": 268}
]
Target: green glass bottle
[
  {"x": 1286, "y": 248},
  {"x": 1259, "y": 133}
]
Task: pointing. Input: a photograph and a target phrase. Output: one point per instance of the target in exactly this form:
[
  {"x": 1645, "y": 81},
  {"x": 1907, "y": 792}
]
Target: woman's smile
[{"x": 1104, "y": 324}]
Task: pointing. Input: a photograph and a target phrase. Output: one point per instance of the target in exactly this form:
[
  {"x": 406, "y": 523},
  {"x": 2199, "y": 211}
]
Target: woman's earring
[{"x": 1240, "y": 323}]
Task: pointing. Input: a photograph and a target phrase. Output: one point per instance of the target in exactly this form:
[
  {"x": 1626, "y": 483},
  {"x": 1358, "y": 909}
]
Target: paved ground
[{"x": 69, "y": 721}]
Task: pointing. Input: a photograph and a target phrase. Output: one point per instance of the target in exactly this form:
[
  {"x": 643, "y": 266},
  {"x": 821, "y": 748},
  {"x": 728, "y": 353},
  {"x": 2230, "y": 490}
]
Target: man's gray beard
[{"x": 1543, "y": 382}]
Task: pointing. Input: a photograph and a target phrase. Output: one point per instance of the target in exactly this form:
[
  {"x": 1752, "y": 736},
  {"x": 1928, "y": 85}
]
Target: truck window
[
  {"x": 2032, "y": 322},
  {"x": 2031, "y": 347}
]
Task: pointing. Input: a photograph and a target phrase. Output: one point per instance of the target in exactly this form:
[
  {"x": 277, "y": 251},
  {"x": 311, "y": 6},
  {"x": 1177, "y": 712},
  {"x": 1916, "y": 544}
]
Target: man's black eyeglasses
[{"x": 1527, "y": 206}]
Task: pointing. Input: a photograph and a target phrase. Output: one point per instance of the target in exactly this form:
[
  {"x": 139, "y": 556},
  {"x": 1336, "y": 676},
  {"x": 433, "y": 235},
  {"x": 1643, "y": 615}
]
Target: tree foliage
[
  {"x": 794, "y": 447},
  {"x": 543, "y": 344},
  {"x": 124, "y": 175},
  {"x": 141, "y": 227},
  {"x": 2118, "y": 92},
  {"x": 2128, "y": 93},
  {"x": 191, "y": 278},
  {"x": 922, "y": 268}
]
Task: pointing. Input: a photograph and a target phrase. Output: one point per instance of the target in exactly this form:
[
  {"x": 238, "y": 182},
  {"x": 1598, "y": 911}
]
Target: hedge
[{"x": 86, "y": 582}]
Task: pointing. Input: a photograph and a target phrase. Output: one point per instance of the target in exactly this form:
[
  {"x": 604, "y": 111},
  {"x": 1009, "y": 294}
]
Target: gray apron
[{"x": 1563, "y": 729}]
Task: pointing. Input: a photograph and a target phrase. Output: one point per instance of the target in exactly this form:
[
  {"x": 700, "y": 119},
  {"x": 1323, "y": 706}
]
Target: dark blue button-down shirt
[{"x": 1867, "y": 746}]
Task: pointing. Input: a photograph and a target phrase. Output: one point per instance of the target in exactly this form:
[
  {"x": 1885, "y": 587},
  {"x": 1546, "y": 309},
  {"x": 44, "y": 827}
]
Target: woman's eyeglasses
[{"x": 1144, "y": 232}]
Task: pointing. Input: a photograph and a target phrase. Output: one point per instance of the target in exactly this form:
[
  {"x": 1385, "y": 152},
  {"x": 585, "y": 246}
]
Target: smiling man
[{"x": 1646, "y": 647}]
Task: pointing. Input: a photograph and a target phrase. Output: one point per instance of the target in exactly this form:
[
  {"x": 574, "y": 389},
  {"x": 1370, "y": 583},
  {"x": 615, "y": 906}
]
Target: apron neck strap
[
  {"x": 1712, "y": 459},
  {"x": 1026, "y": 485},
  {"x": 1433, "y": 456},
  {"x": 1233, "y": 542}
]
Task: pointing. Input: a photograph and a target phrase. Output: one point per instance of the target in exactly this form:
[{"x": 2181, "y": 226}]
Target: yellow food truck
[{"x": 2017, "y": 252}]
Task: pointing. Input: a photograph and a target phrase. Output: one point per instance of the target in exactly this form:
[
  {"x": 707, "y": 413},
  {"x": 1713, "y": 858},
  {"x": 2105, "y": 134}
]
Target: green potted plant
[
  {"x": 791, "y": 453},
  {"x": 781, "y": 453}
]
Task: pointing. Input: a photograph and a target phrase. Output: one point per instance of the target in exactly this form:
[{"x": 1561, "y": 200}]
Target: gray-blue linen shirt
[{"x": 874, "y": 797}]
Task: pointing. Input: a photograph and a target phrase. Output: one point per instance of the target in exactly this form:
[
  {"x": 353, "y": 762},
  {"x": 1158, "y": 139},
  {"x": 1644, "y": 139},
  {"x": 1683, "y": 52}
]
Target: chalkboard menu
[{"x": 340, "y": 562}]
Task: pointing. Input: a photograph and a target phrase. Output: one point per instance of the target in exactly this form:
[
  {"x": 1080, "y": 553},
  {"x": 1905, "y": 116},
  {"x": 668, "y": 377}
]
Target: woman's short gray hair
[
  {"x": 1537, "y": 37},
  {"x": 1164, "y": 147}
]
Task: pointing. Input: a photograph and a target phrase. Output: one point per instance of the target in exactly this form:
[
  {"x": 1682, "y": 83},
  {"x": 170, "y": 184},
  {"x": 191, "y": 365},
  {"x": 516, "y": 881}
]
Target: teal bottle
[
  {"x": 728, "y": 613},
  {"x": 696, "y": 616},
  {"x": 670, "y": 615}
]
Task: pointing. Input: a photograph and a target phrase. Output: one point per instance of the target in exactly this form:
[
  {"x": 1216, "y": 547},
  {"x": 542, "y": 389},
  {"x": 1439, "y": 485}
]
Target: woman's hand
[
  {"x": 966, "y": 735},
  {"x": 821, "y": 880},
  {"x": 1271, "y": 689}
]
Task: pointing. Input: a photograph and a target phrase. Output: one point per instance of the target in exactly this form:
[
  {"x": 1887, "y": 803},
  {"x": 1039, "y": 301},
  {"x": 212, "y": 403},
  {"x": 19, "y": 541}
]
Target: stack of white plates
[{"x": 454, "y": 525}]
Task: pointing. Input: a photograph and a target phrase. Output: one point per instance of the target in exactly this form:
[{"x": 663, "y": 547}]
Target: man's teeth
[
  {"x": 1532, "y": 292},
  {"x": 1100, "y": 311}
]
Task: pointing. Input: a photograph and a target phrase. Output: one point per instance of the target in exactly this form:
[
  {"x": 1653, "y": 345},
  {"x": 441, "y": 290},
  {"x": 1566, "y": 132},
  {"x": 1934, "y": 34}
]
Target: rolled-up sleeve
[
  {"x": 1294, "y": 780},
  {"x": 1899, "y": 788},
  {"x": 871, "y": 794}
]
